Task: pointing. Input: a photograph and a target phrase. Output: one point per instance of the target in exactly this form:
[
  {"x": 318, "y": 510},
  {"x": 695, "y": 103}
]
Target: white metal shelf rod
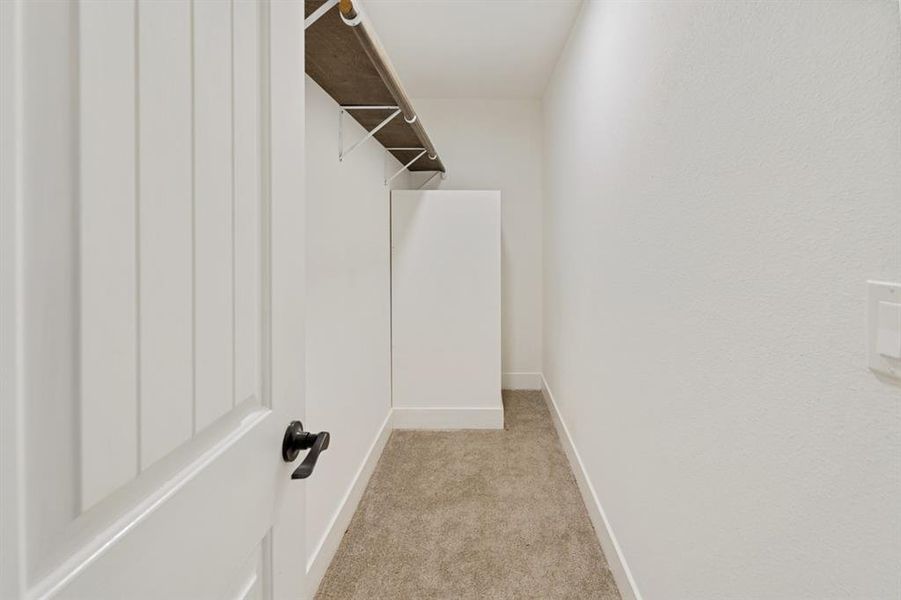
[
  {"x": 429, "y": 180},
  {"x": 342, "y": 152},
  {"x": 401, "y": 170},
  {"x": 316, "y": 14}
]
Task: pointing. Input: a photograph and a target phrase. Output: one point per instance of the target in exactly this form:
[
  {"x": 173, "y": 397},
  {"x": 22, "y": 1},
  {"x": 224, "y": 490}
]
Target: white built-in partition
[
  {"x": 446, "y": 309},
  {"x": 496, "y": 144}
]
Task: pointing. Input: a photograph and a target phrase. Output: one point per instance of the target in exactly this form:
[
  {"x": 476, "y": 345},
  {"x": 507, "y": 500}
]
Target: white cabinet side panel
[{"x": 446, "y": 299}]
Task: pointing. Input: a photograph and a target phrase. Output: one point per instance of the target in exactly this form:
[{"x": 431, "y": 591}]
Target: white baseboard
[
  {"x": 328, "y": 544},
  {"x": 521, "y": 381},
  {"x": 618, "y": 566},
  {"x": 448, "y": 418}
]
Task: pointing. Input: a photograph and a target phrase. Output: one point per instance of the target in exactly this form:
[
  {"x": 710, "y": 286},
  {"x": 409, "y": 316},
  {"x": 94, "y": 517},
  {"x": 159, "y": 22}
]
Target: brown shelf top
[{"x": 336, "y": 60}]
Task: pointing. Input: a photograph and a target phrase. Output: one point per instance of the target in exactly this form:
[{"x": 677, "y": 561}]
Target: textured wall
[
  {"x": 721, "y": 180},
  {"x": 496, "y": 145}
]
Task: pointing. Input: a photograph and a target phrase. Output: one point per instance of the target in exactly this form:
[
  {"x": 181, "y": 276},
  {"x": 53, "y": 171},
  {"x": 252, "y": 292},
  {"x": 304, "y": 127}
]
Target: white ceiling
[{"x": 473, "y": 48}]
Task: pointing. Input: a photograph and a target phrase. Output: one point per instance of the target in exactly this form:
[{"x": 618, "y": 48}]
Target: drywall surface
[
  {"x": 446, "y": 301},
  {"x": 496, "y": 144},
  {"x": 453, "y": 49},
  {"x": 348, "y": 304},
  {"x": 722, "y": 178}
]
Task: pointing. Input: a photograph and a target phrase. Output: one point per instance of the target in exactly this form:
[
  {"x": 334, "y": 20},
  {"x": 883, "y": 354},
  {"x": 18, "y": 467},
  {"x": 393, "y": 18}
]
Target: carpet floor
[{"x": 472, "y": 514}]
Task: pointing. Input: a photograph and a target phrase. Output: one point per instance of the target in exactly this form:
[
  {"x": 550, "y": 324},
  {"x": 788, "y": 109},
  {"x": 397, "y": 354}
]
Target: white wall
[
  {"x": 722, "y": 179},
  {"x": 496, "y": 144},
  {"x": 348, "y": 308}
]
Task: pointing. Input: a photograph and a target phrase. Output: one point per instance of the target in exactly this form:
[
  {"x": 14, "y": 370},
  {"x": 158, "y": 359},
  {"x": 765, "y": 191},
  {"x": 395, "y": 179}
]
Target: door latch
[{"x": 295, "y": 440}]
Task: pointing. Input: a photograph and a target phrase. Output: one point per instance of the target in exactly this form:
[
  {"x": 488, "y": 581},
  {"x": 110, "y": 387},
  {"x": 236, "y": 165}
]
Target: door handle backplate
[{"x": 295, "y": 440}]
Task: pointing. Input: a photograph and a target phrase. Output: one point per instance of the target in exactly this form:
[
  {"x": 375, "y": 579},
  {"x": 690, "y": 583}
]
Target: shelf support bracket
[
  {"x": 343, "y": 109},
  {"x": 314, "y": 16},
  {"x": 429, "y": 180},
  {"x": 403, "y": 168}
]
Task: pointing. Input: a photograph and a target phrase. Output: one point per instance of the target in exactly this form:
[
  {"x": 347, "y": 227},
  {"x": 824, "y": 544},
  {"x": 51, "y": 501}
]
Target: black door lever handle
[{"x": 295, "y": 440}]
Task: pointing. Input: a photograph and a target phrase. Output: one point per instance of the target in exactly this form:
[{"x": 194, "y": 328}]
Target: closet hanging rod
[{"x": 377, "y": 55}]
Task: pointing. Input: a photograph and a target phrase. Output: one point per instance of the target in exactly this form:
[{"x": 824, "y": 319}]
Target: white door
[{"x": 152, "y": 269}]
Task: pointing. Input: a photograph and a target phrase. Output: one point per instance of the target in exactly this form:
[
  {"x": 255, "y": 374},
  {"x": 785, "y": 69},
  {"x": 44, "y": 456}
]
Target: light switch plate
[{"x": 884, "y": 328}]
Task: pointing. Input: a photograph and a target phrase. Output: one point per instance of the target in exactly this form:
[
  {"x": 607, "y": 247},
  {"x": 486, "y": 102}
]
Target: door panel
[
  {"x": 155, "y": 253},
  {"x": 109, "y": 436},
  {"x": 45, "y": 233},
  {"x": 165, "y": 227},
  {"x": 214, "y": 212},
  {"x": 246, "y": 77},
  {"x": 250, "y": 578},
  {"x": 177, "y": 540}
]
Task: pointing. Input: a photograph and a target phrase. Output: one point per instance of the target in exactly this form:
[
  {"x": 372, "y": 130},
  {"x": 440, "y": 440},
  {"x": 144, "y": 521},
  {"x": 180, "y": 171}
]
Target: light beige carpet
[{"x": 472, "y": 514}]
